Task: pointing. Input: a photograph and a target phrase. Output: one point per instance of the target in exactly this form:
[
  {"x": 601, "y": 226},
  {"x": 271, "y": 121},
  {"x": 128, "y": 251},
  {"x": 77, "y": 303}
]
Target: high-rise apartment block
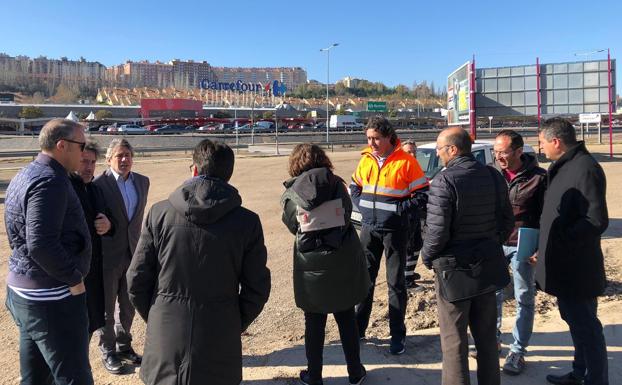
[
  {"x": 292, "y": 77},
  {"x": 46, "y": 74},
  {"x": 43, "y": 74}
]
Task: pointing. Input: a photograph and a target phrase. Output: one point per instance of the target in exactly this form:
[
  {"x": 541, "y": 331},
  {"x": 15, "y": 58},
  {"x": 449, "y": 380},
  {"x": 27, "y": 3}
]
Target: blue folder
[{"x": 527, "y": 243}]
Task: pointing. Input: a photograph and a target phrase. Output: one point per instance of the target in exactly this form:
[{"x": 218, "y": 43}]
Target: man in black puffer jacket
[{"x": 466, "y": 211}]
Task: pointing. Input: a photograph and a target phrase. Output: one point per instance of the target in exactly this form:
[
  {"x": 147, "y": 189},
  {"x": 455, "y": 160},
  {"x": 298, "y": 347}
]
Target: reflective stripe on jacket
[{"x": 384, "y": 189}]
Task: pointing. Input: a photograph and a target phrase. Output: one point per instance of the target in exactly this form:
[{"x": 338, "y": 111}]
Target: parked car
[
  {"x": 153, "y": 127},
  {"x": 209, "y": 127},
  {"x": 431, "y": 165},
  {"x": 132, "y": 129},
  {"x": 171, "y": 129}
]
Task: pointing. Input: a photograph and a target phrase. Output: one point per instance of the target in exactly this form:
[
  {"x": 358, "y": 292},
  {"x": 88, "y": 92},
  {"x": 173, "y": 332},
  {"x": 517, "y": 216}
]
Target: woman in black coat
[{"x": 330, "y": 272}]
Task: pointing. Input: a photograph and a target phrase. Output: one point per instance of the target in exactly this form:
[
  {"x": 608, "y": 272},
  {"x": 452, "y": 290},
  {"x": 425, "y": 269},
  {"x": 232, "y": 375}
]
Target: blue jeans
[
  {"x": 53, "y": 340},
  {"x": 590, "y": 348},
  {"x": 524, "y": 292}
]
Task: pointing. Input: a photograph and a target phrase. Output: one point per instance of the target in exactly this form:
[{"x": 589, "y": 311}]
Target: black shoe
[
  {"x": 305, "y": 379},
  {"x": 566, "y": 379},
  {"x": 130, "y": 356},
  {"x": 397, "y": 347},
  {"x": 112, "y": 363},
  {"x": 359, "y": 379}
]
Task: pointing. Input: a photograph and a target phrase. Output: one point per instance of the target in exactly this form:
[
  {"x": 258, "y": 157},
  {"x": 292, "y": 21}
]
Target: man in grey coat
[{"x": 126, "y": 193}]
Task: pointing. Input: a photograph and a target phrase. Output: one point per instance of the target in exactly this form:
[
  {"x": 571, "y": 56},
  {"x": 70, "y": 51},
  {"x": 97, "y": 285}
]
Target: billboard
[
  {"x": 569, "y": 88},
  {"x": 459, "y": 95}
]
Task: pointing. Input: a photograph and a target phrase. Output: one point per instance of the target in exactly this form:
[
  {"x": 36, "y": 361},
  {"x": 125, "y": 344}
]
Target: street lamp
[{"x": 327, "y": 50}]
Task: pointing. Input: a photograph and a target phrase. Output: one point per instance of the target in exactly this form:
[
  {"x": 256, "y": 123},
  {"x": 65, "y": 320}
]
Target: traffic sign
[{"x": 377, "y": 106}]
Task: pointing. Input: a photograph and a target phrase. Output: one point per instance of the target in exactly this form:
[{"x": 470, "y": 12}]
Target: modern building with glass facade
[{"x": 565, "y": 89}]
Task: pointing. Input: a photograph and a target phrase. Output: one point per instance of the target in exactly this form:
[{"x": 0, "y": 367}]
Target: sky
[{"x": 394, "y": 42}]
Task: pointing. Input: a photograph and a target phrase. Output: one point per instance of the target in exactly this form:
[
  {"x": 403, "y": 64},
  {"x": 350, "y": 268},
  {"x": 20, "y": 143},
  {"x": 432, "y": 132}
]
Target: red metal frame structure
[
  {"x": 472, "y": 118},
  {"x": 609, "y": 93},
  {"x": 539, "y": 99}
]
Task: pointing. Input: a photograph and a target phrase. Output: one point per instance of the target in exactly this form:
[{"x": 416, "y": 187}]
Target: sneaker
[
  {"x": 305, "y": 379},
  {"x": 359, "y": 380},
  {"x": 414, "y": 288},
  {"x": 566, "y": 379},
  {"x": 514, "y": 364},
  {"x": 397, "y": 347}
]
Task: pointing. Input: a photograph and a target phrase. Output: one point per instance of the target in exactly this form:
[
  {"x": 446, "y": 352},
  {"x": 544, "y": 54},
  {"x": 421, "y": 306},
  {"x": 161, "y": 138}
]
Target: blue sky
[{"x": 395, "y": 42}]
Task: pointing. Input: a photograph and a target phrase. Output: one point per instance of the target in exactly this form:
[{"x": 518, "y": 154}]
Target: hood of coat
[
  {"x": 313, "y": 187},
  {"x": 203, "y": 200}
]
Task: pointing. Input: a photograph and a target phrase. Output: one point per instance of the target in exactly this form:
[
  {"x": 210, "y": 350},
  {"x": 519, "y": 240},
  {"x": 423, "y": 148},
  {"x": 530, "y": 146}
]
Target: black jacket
[
  {"x": 199, "y": 278},
  {"x": 462, "y": 209},
  {"x": 570, "y": 260},
  {"x": 527, "y": 196},
  {"x": 330, "y": 271},
  {"x": 93, "y": 203},
  {"x": 45, "y": 225}
]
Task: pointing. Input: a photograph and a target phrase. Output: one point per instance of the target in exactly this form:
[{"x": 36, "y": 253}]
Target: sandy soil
[{"x": 274, "y": 346}]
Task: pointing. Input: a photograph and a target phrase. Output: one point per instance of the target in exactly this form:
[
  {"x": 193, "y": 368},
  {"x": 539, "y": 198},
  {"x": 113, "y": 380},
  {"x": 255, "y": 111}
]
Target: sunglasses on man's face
[{"x": 82, "y": 144}]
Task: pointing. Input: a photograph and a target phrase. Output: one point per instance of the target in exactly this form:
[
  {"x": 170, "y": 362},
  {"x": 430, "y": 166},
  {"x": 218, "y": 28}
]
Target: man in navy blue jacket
[{"x": 51, "y": 252}]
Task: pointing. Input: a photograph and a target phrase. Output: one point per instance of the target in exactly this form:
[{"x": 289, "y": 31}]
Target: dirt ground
[{"x": 273, "y": 345}]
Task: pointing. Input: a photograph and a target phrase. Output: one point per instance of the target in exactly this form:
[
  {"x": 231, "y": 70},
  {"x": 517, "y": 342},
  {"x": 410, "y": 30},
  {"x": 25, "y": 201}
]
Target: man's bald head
[{"x": 458, "y": 137}]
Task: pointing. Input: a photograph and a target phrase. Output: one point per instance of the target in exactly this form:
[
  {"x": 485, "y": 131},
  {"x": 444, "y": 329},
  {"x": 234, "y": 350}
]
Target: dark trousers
[
  {"x": 590, "y": 348},
  {"x": 119, "y": 312},
  {"x": 315, "y": 326},
  {"x": 480, "y": 315},
  {"x": 393, "y": 243},
  {"x": 53, "y": 340},
  {"x": 411, "y": 263}
]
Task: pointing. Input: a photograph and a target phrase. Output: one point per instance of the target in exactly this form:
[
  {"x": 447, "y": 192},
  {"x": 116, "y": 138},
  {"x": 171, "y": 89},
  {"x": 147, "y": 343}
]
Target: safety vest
[{"x": 383, "y": 188}]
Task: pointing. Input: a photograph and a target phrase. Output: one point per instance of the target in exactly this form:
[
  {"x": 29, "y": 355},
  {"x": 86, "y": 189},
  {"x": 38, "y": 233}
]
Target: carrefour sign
[{"x": 276, "y": 88}]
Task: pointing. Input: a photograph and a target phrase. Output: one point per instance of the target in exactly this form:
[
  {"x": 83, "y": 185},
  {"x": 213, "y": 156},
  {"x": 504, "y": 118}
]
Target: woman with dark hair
[{"x": 330, "y": 272}]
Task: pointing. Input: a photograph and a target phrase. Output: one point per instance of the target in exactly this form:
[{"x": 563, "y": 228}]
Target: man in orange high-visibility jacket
[{"x": 386, "y": 185}]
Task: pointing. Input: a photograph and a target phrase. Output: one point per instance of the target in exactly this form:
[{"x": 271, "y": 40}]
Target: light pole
[{"x": 327, "y": 50}]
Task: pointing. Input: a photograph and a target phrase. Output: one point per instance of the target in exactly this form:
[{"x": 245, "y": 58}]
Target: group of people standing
[{"x": 83, "y": 260}]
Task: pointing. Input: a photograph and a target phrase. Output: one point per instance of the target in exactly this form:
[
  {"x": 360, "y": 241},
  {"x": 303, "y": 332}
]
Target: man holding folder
[{"x": 526, "y": 186}]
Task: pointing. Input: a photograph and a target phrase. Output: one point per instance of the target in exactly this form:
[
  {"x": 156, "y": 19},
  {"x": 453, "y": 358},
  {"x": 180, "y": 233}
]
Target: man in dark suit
[{"x": 126, "y": 194}]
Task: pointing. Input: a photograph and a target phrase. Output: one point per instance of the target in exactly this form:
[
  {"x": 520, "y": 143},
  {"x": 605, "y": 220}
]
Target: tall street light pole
[{"x": 327, "y": 50}]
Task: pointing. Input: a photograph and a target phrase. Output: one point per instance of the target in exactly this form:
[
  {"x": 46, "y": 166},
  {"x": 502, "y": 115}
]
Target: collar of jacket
[
  {"x": 53, "y": 163},
  {"x": 367, "y": 151},
  {"x": 567, "y": 156},
  {"x": 460, "y": 159}
]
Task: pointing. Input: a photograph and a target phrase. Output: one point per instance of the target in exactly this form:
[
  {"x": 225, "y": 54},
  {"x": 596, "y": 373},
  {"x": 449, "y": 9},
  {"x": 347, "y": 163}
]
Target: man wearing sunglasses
[{"x": 51, "y": 255}]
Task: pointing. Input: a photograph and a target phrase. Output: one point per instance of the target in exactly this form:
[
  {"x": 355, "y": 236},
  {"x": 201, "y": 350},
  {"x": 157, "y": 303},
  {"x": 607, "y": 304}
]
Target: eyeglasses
[
  {"x": 443, "y": 147},
  {"x": 82, "y": 144},
  {"x": 505, "y": 153}
]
